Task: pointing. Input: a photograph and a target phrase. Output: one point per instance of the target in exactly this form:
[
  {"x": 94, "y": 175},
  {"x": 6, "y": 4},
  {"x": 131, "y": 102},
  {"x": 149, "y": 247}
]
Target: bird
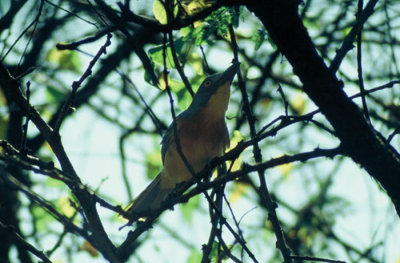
[{"x": 202, "y": 135}]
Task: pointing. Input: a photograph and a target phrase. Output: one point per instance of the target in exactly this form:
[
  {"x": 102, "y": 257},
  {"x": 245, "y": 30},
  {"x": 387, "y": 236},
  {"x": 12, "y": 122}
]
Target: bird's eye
[{"x": 207, "y": 83}]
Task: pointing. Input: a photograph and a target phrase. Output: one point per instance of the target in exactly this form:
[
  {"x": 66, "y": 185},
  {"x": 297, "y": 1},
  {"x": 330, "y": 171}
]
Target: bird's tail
[{"x": 150, "y": 199}]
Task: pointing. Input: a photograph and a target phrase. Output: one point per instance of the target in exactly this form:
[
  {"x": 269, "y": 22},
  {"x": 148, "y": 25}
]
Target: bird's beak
[{"x": 228, "y": 74}]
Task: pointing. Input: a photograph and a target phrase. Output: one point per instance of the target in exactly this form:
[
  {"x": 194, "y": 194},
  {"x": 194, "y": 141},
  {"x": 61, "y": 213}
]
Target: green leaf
[
  {"x": 235, "y": 15},
  {"x": 190, "y": 33},
  {"x": 196, "y": 6},
  {"x": 259, "y": 38},
  {"x": 175, "y": 85},
  {"x": 219, "y": 21},
  {"x": 43, "y": 219},
  {"x": 65, "y": 59},
  {"x": 147, "y": 76},
  {"x": 156, "y": 53},
  {"x": 195, "y": 257},
  {"x": 184, "y": 99},
  {"x": 70, "y": 61},
  {"x": 185, "y": 31},
  {"x": 64, "y": 204},
  {"x": 205, "y": 33},
  {"x": 160, "y": 14}
]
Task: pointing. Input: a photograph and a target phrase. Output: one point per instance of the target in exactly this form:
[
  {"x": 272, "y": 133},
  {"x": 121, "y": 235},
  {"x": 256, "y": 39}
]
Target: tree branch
[
  {"x": 25, "y": 244},
  {"x": 360, "y": 141},
  {"x": 99, "y": 237}
]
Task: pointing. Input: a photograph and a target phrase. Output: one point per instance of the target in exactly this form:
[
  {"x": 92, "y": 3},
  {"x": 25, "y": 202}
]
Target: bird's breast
[{"x": 200, "y": 141}]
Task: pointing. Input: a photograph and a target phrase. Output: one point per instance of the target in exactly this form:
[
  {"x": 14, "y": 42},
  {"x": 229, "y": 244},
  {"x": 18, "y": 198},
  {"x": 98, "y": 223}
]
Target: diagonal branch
[
  {"x": 25, "y": 244},
  {"x": 360, "y": 141},
  {"x": 77, "y": 84},
  {"x": 99, "y": 237},
  {"x": 263, "y": 190},
  {"x": 347, "y": 44},
  {"x": 175, "y": 24}
]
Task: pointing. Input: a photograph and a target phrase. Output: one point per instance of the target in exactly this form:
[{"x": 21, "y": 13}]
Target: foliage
[{"x": 82, "y": 141}]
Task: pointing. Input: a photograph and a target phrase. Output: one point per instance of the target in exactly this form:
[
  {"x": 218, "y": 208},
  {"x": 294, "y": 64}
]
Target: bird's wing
[
  {"x": 169, "y": 134},
  {"x": 166, "y": 140}
]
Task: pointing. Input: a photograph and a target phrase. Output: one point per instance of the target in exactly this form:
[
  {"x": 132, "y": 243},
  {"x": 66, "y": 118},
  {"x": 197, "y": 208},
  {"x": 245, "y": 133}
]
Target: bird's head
[{"x": 213, "y": 94}]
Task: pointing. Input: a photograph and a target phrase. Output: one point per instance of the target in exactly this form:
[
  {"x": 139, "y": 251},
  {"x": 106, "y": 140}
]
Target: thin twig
[
  {"x": 147, "y": 108},
  {"x": 34, "y": 22},
  {"x": 178, "y": 65},
  {"x": 137, "y": 47},
  {"x": 347, "y": 44},
  {"x": 58, "y": 243},
  {"x": 247, "y": 168},
  {"x": 384, "y": 86},
  {"x": 25, "y": 244},
  {"x": 98, "y": 237},
  {"x": 174, "y": 121},
  {"x": 44, "y": 204},
  {"x": 263, "y": 191},
  {"x": 315, "y": 259},
  {"x": 75, "y": 45},
  {"x": 77, "y": 84},
  {"x": 211, "y": 237},
  {"x": 128, "y": 244},
  {"x": 285, "y": 102},
  {"x": 71, "y": 13}
]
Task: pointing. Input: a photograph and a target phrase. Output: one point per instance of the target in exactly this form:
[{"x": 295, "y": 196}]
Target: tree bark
[{"x": 360, "y": 141}]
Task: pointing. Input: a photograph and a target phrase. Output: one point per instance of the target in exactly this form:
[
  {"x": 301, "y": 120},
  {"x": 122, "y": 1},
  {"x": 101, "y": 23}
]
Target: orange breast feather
[{"x": 200, "y": 141}]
